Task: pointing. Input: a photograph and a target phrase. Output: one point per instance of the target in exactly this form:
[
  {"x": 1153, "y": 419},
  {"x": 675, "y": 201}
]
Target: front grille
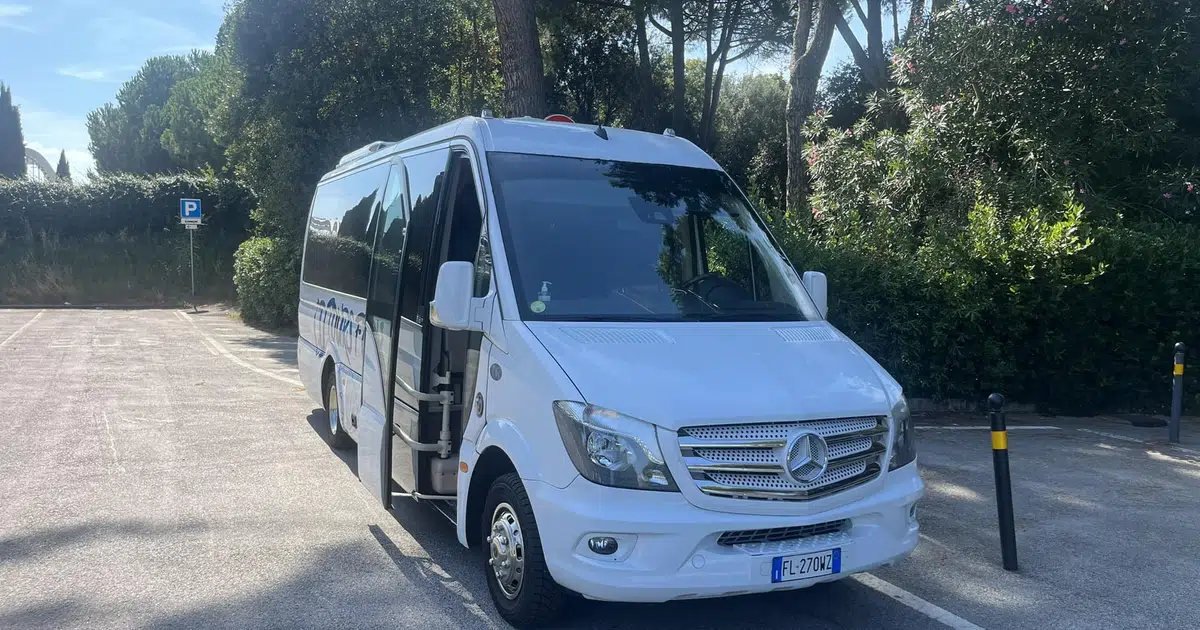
[
  {"x": 780, "y": 534},
  {"x": 747, "y": 460}
]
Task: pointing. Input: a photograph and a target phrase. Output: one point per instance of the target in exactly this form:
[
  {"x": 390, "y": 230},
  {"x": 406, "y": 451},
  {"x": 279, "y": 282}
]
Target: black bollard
[
  {"x": 1004, "y": 506},
  {"x": 1176, "y": 394}
]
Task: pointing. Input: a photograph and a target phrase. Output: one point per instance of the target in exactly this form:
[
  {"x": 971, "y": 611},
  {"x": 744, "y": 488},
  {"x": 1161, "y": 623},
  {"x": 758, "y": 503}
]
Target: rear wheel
[
  {"x": 337, "y": 435},
  {"x": 520, "y": 583}
]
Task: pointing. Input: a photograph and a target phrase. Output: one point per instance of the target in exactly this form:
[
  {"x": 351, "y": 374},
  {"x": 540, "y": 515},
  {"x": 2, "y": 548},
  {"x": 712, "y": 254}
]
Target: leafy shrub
[
  {"x": 127, "y": 203},
  {"x": 122, "y": 268},
  {"x": 1070, "y": 325},
  {"x": 117, "y": 240},
  {"x": 267, "y": 275},
  {"x": 1032, "y": 226}
]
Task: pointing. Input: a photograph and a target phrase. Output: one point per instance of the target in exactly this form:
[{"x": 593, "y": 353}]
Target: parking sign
[{"x": 189, "y": 211}]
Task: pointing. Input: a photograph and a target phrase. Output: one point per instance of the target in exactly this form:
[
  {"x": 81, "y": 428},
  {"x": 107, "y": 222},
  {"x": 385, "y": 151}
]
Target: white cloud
[
  {"x": 49, "y": 132},
  {"x": 125, "y": 30},
  {"x": 10, "y": 15},
  {"x": 81, "y": 162},
  {"x": 106, "y": 74}
]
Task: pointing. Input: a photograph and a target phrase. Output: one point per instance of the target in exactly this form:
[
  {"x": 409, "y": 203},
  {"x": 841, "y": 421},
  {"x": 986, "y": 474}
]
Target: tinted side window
[
  {"x": 426, "y": 175},
  {"x": 341, "y": 231},
  {"x": 389, "y": 243}
]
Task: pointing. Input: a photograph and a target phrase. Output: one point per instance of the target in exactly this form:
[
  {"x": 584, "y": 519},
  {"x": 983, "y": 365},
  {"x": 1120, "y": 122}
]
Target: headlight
[
  {"x": 612, "y": 449},
  {"x": 904, "y": 447}
]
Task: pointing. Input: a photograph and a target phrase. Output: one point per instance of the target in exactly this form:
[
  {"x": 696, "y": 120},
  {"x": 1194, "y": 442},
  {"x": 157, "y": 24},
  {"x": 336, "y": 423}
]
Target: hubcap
[
  {"x": 507, "y": 550},
  {"x": 333, "y": 410}
]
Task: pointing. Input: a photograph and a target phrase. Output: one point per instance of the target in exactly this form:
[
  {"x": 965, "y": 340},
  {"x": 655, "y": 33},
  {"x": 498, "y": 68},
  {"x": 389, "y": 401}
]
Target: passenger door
[
  {"x": 426, "y": 181},
  {"x": 374, "y": 431}
]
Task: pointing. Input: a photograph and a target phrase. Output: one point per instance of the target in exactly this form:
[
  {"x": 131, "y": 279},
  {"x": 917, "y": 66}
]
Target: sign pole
[
  {"x": 191, "y": 216},
  {"x": 192, "y": 258}
]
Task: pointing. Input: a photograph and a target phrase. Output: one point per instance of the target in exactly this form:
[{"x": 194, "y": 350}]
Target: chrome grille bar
[{"x": 747, "y": 461}]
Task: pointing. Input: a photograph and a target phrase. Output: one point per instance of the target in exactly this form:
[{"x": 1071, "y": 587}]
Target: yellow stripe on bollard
[
  {"x": 999, "y": 440},
  {"x": 1178, "y": 369}
]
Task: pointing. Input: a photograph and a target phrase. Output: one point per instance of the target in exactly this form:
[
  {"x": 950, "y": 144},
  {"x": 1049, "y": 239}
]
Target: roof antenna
[{"x": 601, "y": 132}]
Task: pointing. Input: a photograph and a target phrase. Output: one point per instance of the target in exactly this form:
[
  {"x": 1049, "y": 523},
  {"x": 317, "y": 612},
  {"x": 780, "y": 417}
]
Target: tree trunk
[
  {"x": 875, "y": 80},
  {"x": 808, "y": 57},
  {"x": 895, "y": 22},
  {"x": 679, "y": 116},
  {"x": 645, "y": 103},
  {"x": 875, "y": 36},
  {"x": 520, "y": 58}
]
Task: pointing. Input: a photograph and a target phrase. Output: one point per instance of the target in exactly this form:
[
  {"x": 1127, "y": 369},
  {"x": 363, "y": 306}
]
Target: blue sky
[{"x": 64, "y": 58}]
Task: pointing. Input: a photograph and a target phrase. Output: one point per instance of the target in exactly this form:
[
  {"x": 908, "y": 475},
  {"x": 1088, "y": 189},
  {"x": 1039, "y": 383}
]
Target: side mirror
[
  {"x": 818, "y": 290},
  {"x": 452, "y": 298}
]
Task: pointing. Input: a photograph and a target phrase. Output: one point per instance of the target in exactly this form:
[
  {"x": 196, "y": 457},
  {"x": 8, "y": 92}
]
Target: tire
[
  {"x": 337, "y": 435},
  {"x": 527, "y": 597}
]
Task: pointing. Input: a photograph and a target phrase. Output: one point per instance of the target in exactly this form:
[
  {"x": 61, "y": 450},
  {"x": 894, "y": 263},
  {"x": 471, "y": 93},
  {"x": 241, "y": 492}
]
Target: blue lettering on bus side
[{"x": 341, "y": 324}]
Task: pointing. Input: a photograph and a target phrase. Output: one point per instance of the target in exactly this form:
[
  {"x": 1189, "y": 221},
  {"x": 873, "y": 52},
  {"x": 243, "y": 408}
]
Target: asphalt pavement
[{"x": 163, "y": 469}]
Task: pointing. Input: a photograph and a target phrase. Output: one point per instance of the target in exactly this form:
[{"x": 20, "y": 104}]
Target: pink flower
[
  {"x": 1191, "y": 188},
  {"x": 847, "y": 132},
  {"x": 1066, "y": 162},
  {"x": 1012, "y": 9},
  {"x": 1123, "y": 41},
  {"x": 937, "y": 108},
  {"x": 910, "y": 67},
  {"x": 820, "y": 112},
  {"x": 1082, "y": 191},
  {"x": 1028, "y": 21},
  {"x": 1166, "y": 195},
  {"x": 1094, "y": 66},
  {"x": 1062, "y": 18}
]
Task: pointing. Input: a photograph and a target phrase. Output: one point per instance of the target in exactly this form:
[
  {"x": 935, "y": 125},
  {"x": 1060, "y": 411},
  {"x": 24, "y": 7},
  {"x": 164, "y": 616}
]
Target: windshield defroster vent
[{"x": 618, "y": 335}]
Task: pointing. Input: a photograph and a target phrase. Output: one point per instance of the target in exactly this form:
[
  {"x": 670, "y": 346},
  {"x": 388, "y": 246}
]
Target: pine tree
[
  {"x": 64, "y": 169},
  {"x": 12, "y": 142}
]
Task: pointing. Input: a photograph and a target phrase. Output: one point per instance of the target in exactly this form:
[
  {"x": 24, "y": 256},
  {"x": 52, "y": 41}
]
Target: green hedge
[
  {"x": 267, "y": 275},
  {"x": 118, "y": 239},
  {"x": 122, "y": 203},
  {"x": 955, "y": 328}
]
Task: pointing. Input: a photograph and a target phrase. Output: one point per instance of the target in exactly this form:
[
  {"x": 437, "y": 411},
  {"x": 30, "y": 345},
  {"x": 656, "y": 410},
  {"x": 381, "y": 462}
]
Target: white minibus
[{"x": 582, "y": 344}]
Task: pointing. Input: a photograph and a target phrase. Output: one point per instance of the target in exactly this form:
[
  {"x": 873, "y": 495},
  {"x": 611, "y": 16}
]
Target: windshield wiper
[
  {"x": 744, "y": 316},
  {"x": 609, "y": 318}
]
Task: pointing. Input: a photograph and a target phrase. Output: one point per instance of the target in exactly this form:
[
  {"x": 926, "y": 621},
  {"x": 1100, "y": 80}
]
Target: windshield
[{"x": 593, "y": 240}]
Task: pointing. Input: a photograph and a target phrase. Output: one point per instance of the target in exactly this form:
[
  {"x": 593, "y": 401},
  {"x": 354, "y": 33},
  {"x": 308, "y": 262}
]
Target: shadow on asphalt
[
  {"x": 45, "y": 542},
  {"x": 282, "y": 351},
  {"x": 319, "y": 421}
]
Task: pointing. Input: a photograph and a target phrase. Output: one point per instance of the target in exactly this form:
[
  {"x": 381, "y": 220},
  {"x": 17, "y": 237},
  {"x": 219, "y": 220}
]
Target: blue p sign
[{"x": 189, "y": 210}]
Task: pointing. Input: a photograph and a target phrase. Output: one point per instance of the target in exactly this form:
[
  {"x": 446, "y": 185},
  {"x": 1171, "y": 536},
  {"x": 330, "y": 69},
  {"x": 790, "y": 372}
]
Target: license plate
[{"x": 809, "y": 565}]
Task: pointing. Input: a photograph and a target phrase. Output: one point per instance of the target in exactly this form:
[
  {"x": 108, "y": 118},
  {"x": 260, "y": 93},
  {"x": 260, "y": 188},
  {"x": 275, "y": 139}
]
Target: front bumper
[{"x": 667, "y": 548}]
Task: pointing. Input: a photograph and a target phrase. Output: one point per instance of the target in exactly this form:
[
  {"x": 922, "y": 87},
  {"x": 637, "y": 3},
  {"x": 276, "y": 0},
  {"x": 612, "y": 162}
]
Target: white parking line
[
  {"x": 933, "y": 611},
  {"x": 984, "y": 427},
  {"x": 1125, "y": 438},
  {"x": 229, "y": 355},
  {"x": 21, "y": 329},
  {"x": 1113, "y": 436}
]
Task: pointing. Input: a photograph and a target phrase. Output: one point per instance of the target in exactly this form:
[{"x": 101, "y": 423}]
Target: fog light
[{"x": 603, "y": 545}]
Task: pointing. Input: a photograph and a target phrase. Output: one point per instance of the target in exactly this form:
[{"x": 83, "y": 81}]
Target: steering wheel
[{"x": 703, "y": 285}]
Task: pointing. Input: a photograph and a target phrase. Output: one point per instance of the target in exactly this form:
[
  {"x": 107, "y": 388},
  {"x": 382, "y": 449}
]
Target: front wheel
[
  {"x": 518, "y": 579},
  {"x": 337, "y": 433}
]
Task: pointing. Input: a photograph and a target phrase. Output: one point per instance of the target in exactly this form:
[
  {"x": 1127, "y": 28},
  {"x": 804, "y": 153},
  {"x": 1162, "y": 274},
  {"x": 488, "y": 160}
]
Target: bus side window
[{"x": 386, "y": 257}]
